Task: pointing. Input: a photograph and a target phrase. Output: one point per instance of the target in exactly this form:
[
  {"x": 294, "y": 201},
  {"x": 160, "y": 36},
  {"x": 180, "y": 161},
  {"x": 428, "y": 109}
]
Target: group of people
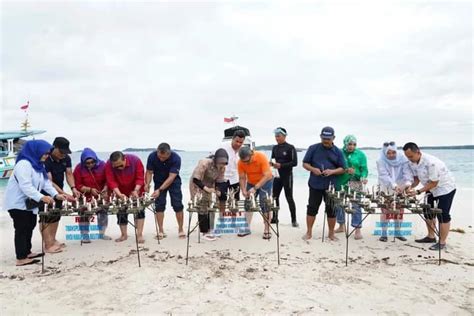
[{"x": 41, "y": 170}]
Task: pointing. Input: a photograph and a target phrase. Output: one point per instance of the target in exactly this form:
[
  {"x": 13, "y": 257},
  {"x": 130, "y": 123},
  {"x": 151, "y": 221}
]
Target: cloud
[{"x": 111, "y": 75}]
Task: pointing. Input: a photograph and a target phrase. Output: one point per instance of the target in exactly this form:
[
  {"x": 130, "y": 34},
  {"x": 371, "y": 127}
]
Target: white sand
[{"x": 241, "y": 275}]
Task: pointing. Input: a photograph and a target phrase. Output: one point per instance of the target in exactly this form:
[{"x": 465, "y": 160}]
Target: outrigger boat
[{"x": 10, "y": 145}]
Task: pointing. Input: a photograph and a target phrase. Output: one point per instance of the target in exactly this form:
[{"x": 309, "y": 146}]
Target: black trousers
[
  {"x": 24, "y": 223},
  {"x": 316, "y": 197},
  {"x": 285, "y": 182}
]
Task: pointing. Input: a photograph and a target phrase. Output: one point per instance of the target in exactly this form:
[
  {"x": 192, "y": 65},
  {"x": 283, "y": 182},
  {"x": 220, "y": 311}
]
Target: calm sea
[{"x": 460, "y": 162}]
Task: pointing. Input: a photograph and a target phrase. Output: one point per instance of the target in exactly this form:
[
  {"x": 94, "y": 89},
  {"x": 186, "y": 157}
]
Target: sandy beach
[{"x": 241, "y": 276}]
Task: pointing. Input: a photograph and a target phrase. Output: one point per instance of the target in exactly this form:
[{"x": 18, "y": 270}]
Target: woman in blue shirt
[{"x": 23, "y": 190}]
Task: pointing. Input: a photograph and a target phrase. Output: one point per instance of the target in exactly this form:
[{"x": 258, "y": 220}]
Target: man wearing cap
[
  {"x": 57, "y": 165},
  {"x": 325, "y": 161},
  {"x": 284, "y": 159},
  {"x": 255, "y": 178}
]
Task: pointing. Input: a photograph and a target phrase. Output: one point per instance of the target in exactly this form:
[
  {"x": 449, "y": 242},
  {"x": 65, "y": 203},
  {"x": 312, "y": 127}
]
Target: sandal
[
  {"x": 36, "y": 255},
  {"x": 267, "y": 235},
  {"x": 160, "y": 236},
  {"x": 34, "y": 261},
  {"x": 182, "y": 235}
]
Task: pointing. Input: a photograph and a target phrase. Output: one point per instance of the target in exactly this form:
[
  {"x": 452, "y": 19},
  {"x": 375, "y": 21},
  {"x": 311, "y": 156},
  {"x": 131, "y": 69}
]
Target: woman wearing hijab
[
  {"x": 22, "y": 195},
  {"x": 89, "y": 176},
  {"x": 203, "y": 180},
  {"x": 394, "y": 175},
  {"x": 354, "y": 177}
]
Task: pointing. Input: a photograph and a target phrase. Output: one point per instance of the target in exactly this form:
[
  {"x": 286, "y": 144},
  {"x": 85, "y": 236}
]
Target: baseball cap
[
  {"x": 62, "y": 144},
  {"x": 327, "y": 132}
]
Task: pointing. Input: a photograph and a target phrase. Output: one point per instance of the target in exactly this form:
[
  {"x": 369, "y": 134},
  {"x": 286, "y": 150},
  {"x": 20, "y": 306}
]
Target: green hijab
[{"x": 347, "y": 140}]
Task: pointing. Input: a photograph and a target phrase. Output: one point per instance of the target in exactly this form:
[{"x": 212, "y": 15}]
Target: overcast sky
[{"x": 110, "y": 75}]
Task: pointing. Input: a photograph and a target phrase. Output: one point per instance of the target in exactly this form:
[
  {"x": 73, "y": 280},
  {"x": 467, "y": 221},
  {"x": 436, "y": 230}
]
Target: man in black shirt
[
  {"x": 58, "y": 164},
  {"x": 284, "y": 159}
]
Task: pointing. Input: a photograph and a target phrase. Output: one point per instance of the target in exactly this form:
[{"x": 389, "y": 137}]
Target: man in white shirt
[
  {"x": 438, "y": 183},
  {"x": 231, "y": 176}
]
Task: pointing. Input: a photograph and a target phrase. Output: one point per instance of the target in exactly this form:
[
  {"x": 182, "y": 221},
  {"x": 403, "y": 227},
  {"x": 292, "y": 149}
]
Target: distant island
[
  {"x": 269, "y": 147},
  {"x": 147, "y": 149}
]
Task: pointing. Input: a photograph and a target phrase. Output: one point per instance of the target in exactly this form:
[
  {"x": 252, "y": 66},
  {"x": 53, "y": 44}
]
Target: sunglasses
[{"x": 386, "y": 144}]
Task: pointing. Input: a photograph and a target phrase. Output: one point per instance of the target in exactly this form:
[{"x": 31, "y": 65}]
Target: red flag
[
  {"x": 228, "y": 120},
  {"x": 25, "y": 107}
]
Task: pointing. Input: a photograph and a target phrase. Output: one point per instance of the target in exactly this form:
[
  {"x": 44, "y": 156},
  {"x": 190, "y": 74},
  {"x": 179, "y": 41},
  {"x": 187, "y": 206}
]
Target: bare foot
[
  {"x": 306, "y": 237},
  {"x": 182, "y": 235},
  {"x": 332, "y": 237},
  {"x": 53, "y": 249},
  {"x": 59, "y": 244},
  {"x": 141, "y": 240},
  {"x": 358, "y": 234},
  {"x": 340, "y": 229},
  {"x": 121, "y": 238}
]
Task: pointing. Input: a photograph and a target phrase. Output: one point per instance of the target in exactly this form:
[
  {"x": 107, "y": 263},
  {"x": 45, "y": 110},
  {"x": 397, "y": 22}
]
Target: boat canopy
[{"x": 229, "y": 132}]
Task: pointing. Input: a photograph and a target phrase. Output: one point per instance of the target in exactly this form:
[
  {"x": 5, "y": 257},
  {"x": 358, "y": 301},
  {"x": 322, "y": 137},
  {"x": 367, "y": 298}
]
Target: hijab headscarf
[
  {"x": 399, "y": 158},
  {"x": 347, "y": 140},
  {"x": 32, "y": 151},
  {"x": 88, "y": 153}
]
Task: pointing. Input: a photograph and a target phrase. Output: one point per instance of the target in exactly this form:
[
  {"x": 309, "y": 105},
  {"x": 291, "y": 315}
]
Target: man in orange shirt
[{"x": 255, "y": 178}]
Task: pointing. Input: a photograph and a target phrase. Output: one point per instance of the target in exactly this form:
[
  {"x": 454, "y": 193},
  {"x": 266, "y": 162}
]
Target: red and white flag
[
  {"x": 25, "y": 106},
  {"x": 230, "y": 119}
]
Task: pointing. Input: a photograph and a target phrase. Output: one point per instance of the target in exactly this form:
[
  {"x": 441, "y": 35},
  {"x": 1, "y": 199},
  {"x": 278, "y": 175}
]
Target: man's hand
[
  {"x": 411, "y": 192},
  {"x": 95, "y": 192},
  {"x": 276, "y": 165},
  {"x": 134, "y": 194},
  {"x": 350, "y": 170},
  {"x": 76, "y": 193},
  {"x": 251, "y": 191},
  {"x": 156, "y": 194},
  {"x": 328, "y": 172},
  {"x": 147, "y": 188},
  {"x": 68, "y": 197},
  {"x": 120, "y": 195},
  {"x": 317, "y": 171},
  {"x": 47, "y": 199}
]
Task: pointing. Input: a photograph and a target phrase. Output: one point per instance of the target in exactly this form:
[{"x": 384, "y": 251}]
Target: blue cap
[{"x": 327, "y": 132}]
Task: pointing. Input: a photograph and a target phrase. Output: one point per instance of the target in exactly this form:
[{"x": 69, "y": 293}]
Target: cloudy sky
[{"x": 111, "y": 75}]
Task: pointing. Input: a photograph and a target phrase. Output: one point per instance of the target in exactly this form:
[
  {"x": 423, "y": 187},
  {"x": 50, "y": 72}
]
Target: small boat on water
[{"x": 10, "y": 144}]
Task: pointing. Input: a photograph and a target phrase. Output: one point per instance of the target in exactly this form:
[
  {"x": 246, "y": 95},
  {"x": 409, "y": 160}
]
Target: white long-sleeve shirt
[
  {"x": 24, "y": 183},
  {"x": 390, "y": 177}
]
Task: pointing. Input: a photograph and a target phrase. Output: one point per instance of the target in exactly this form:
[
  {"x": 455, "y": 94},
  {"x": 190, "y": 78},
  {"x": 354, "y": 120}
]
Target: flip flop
[
  {"x": 38, "y": 255},
  {"x": 160, "y": 236},
  {"x": 243, "y": 234},
  {"x": 182, "y": 235},
  {"x": 56, "y": 250},
  {"x": 267, "y": 235},
  {"x": 28, "y": 263}
]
